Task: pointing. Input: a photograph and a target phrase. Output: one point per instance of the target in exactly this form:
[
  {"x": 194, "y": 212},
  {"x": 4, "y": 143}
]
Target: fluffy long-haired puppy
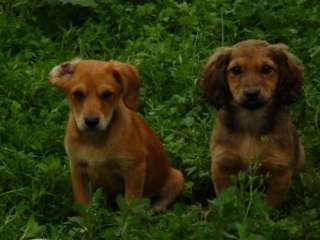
[
  {"x": 251, "y": 84},
  {"x": 107, "y": 142}
]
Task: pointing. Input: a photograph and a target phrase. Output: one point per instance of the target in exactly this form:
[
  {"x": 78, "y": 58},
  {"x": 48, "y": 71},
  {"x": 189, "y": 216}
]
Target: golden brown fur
[
  {"x": 106, "y": 141},
  {"x": 251, "y": 84}
]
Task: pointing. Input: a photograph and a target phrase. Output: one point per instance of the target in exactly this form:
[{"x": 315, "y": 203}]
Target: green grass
[{"x": 168, "y": 41}]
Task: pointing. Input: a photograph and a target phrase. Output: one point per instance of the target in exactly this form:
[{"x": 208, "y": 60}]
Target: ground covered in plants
[{"x": 168, "y": 41}]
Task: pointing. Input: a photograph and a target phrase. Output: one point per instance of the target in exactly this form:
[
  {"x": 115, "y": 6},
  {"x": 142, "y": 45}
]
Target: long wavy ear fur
[
  {"x": 291, "y": 74},
  {"x": 213, "y": 83}
]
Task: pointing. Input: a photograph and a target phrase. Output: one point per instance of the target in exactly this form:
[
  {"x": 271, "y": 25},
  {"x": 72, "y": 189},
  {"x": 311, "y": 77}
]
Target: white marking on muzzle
[{"x": 102, "y": 125}]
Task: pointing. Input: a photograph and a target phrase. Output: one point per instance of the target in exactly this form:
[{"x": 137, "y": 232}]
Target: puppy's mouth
[
  {"x": 253, "y": 104},
  {"x": 91, "y": 130}
]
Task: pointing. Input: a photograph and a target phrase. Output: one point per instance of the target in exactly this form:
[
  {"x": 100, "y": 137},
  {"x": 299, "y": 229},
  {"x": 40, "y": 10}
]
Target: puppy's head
[
  {"x": 95, "y": 89},
  {"x": 251, "y": 74}
]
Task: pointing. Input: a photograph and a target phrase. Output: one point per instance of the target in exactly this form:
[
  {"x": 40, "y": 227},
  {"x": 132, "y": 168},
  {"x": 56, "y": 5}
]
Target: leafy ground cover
[{"x": 168, "y": 41}]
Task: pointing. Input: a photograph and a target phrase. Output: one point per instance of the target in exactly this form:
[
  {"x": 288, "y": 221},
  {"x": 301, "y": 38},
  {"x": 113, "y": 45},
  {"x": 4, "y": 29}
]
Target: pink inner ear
[{"x": 65, "y": 68}]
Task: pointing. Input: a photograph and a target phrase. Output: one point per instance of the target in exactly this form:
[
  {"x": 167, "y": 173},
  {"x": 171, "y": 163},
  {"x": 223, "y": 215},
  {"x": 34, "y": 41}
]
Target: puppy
[
  {"x": 107, "y": 142},
  {"x": 251, "y": 84}
]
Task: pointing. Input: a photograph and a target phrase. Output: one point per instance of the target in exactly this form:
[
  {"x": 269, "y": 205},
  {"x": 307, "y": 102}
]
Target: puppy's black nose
[
  {"x": 91, "y": 122},
  {"x": 252, "y": 94}
]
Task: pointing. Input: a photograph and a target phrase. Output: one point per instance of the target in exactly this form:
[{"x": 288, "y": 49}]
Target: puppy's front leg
[
  {"x": 222, "y": 168},
  {"x": 277, "y": 187},
  {"x": 134, "y": 180},
  {"x": 79, "y": 182}
]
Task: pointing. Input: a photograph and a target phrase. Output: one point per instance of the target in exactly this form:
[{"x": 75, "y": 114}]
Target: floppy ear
[
  {"x": 60, "y": 74},
  {"x": 213, "y": 83},
  {"x": 127, "y": 76},
  {"x": 291, "y": 74}
]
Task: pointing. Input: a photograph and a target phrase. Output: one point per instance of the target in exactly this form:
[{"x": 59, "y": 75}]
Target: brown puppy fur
[
  {"x": 106, "y": 141},
  {"x": 251, "y": 84}
]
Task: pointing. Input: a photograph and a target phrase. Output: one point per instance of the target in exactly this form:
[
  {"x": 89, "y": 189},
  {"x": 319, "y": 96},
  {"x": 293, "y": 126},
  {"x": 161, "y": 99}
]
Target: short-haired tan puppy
[
  {"x": 107, "y": 142},
  {"x": 251, "y": 84}
]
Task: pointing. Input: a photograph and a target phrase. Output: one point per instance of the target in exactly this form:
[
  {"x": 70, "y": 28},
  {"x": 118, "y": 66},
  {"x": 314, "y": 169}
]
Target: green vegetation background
[{"x": 168, "y": 41}]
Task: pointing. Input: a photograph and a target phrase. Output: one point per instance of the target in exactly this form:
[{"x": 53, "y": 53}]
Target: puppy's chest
[
  {"x": 252, "y": 148},
  {"x": 99, "y": 163}
]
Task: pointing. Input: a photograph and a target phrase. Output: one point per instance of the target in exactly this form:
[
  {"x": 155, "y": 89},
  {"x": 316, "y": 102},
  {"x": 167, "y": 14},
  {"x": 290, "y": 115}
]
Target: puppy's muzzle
[
  {"x": 91, "y": 122},
  {"x": 252, "y": 94},
  {"x": 252, "y": 99}
]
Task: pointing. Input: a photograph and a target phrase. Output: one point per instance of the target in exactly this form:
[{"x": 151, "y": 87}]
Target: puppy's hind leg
[{"x": 170, "y": 190}]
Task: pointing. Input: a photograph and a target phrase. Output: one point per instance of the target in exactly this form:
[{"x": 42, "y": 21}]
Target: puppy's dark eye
[
  {"x": 78, "y": 95},
  {"x": 236, "y": 70},
  {"x": 106, "y": 95},
  {"x": 266, "y": 69}
]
